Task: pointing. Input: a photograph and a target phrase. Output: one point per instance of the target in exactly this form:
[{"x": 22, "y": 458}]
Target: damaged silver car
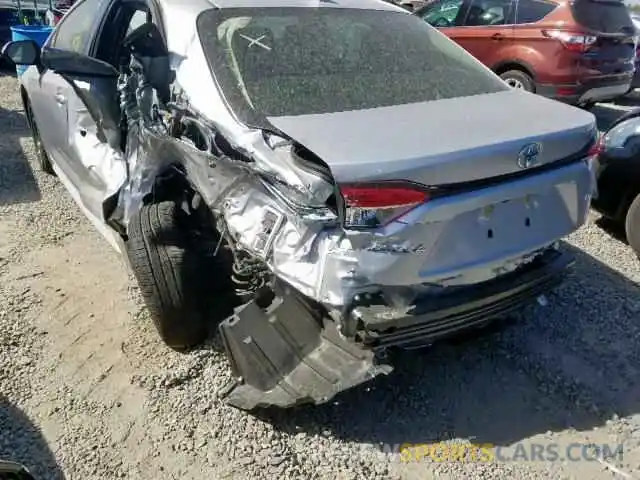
[{"x": 320, "y": 180}]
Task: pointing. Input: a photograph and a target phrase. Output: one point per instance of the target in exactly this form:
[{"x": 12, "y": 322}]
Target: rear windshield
[
  {"x": 605, "y": 16},
  {"x": 297, "y": 61}
]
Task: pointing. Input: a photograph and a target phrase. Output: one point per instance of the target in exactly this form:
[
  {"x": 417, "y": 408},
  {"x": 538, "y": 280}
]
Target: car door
[
  {"x": 444, "y": 14},
  {"x": 90, "y": 144},
  {"x": 480, "y": 26},
  {"x": 50, "y": 94},
  {"x": 487, "y": 28}
]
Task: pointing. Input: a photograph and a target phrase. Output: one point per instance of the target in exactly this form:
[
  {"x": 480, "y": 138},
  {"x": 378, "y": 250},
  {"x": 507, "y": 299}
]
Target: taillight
[
  {"x": 375, "y": 205},
  {"x": 573, "y": 41},
  {"x": 598, "y": 147}
]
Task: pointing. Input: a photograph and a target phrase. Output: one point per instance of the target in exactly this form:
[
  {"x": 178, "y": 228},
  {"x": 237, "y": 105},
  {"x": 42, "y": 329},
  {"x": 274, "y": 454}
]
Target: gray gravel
[{"x": 87, "y": 391}]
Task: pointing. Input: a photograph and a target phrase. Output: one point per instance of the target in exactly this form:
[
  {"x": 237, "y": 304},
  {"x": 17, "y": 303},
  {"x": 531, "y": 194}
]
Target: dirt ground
[{"x": 88, "y": 391}]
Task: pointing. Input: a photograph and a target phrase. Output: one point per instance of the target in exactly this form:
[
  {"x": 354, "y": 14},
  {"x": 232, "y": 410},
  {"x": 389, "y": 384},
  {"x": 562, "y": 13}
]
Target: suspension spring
[{"x": 247, "y": 275}]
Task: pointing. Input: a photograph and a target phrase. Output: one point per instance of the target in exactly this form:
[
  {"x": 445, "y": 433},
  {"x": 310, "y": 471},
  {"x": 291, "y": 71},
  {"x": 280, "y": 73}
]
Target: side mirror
[
  {"x": 22, "y": 52},
  {"x": 14, "y": 471},
  {"x": 76, "y": 64}
]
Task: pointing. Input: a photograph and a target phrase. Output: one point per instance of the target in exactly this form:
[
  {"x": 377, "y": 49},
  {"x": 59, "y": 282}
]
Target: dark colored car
[
  {"x": 618, "y": 196},
  {"x": 578, "y": 52},
  {"x": 636, "y": 77}
]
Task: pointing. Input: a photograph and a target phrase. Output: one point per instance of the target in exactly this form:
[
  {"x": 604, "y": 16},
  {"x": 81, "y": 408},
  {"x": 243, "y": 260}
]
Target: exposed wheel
[
  {"x": 632, "y": 225},
  {"x": 175, "y": 273},
  {"x": 41, "y": 154},
  {"x": 518, "y": 79}
]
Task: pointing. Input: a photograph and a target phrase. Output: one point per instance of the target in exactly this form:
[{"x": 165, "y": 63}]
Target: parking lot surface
[{"x": 88, "y": 391}]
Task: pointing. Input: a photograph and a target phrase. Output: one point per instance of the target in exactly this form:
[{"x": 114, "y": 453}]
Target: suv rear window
[
  {"x": 603, "y": 16},
  {"x": 296, "y": 61},
  {"x": 531, "y": 11}
]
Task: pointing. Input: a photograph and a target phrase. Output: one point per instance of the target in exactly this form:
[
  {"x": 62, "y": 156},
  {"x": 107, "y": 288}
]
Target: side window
[
  {"x": 530, "y": 11},
  {"x": 442, "y": 13},
  {"x": 74, "y": 32},
  {"x": 489, "y": 12},
  {"x": 138, "y": 19}
]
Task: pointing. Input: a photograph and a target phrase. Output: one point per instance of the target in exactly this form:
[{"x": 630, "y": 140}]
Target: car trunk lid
[{"x": 443, "y": 142}]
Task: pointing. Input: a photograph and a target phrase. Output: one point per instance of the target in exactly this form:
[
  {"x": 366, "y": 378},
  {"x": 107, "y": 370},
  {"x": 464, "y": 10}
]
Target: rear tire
[
  {"x": 41, "y": 154},
  {"x": 519, "y": 79},
  {"x": 632, "y": 225},
  {"x": 173, "y": 272}
]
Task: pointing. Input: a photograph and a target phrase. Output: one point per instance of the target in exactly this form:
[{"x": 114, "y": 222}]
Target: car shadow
[
  {"x": 570, "y": 364},
  {"x": 17, "y": 181},
  {"x": 22, "y": 441},
  {"x": 614, "y": 229}
]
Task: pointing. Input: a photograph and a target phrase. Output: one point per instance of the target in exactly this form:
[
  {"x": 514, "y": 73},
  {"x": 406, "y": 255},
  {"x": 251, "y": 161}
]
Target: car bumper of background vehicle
[
  {"x": 284, "y": 355},
  {"x": 599, "y": 90}
]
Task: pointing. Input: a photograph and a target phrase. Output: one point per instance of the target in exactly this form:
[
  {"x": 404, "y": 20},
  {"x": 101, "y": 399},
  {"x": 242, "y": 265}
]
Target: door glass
[
  {"x": 530, "y": 11},
  {"x": 74, "y": 31},
  {"x": 442, "y": 14},
  {"x": 489, "y": 12},
  {"x": 138, "y": 19}
]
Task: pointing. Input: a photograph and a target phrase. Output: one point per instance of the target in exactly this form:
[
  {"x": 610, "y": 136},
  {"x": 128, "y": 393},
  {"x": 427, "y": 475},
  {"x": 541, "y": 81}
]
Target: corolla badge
[{"x": 529, "y": 155}]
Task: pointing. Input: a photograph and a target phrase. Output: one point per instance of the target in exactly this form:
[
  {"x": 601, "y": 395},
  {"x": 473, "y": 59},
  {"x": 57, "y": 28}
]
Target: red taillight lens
[
  {"x": 597, "y": 147},
  {"x": 573, "y": 41},
  {"x": 378, "y": 205}
]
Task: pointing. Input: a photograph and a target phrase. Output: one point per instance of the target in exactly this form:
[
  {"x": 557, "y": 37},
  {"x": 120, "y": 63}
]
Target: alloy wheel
[{"x": 514, "y": 83}]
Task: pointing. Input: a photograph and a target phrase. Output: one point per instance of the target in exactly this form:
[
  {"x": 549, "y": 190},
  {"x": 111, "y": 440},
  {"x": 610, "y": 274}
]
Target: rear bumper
[
  {"x": 599, "y": 89},
  {"x": 287, "y": 354},
  {"x": 437, "y": 317}
]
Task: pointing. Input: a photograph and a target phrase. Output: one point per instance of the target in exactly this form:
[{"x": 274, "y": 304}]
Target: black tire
[
  {"x": 632, "y": 225},
  {"x": 41, "y": 154},
  {"x": 174, "y": 273},
  {"x": 520, "y": 78}
]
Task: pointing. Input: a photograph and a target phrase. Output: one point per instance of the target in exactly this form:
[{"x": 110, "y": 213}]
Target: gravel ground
[{"x": 87, "y": 391}]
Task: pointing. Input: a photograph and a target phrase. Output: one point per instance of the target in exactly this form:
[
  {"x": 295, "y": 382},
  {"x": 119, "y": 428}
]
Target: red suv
[{"x": 579, "y": 52}]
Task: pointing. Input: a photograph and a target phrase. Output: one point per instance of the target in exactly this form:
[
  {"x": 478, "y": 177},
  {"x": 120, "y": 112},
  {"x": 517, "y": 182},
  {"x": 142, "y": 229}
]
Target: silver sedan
[{"x": 319, "y": 180}]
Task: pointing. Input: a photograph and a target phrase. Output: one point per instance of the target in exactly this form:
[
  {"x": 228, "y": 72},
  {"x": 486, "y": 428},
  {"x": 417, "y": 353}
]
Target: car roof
[
  {"x": 194, "y": 7},
  {"x": 183, "y": 13}
]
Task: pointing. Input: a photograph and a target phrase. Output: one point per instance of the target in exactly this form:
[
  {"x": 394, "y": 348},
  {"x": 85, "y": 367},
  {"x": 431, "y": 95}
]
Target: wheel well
[{"x": 505, "y": 67}]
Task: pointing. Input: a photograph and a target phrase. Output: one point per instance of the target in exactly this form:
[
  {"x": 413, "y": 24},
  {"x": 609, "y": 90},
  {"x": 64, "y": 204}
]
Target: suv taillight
[
  {"x": 574, "y": 41},
  {"x": 375, "y": 205}
]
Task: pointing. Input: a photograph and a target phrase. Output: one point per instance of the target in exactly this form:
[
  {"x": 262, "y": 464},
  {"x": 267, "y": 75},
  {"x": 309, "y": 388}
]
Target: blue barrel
[{"x": 37, "y": 33}]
